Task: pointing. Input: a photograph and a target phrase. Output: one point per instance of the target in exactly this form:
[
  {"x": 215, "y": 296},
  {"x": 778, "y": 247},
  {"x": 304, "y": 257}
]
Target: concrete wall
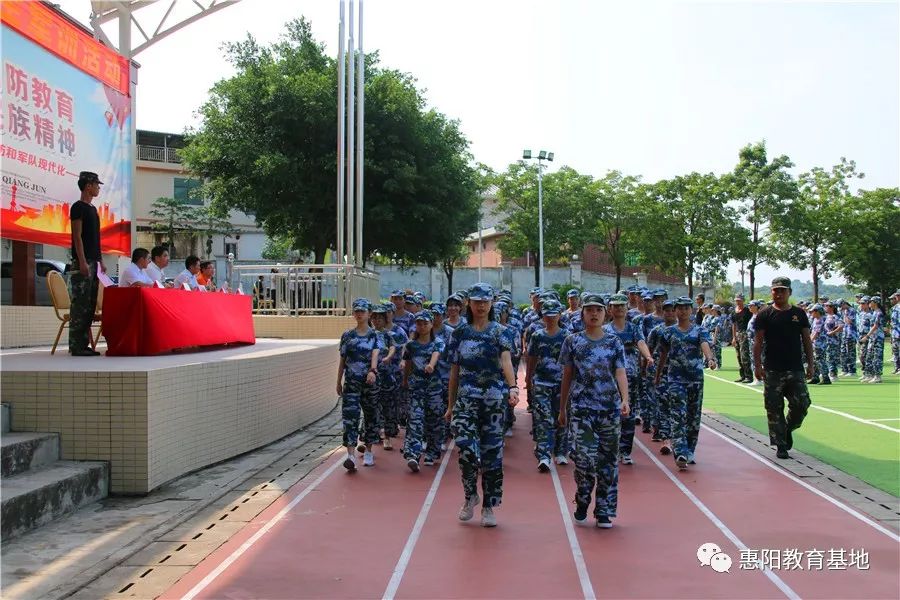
[
  {"x": 23, "y": 326},
  {"x": 301, "y": 328}
]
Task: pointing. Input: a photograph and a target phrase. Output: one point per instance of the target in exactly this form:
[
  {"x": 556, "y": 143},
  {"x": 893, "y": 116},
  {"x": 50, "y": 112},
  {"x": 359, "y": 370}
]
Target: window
[
  {"x": 185, "y": 191},
  {"x": 231, "y": 247}
]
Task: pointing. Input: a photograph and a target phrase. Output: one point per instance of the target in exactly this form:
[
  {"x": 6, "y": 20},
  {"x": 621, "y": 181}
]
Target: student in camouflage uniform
[
  {"x": 742, "y": 341},
  {"x": 716, "y": 328},
  {"x": 387, "y": 384},
  {"x": 833, "y": 328},
  {"x": 356, "y": 380},
  {"x": 454, "y": 316},
  {"x": 573, "y": 298},
  {"x": 863, "y": 325},
  {"x": 849, "y": 337},
  {"x": 481, "y": 381},
  {"x": 501, "y": 311},
  {"x": 754, "y": 306},
  {"x": 86, "y": 261},
  {"x": 647, "y": 400},
  {"x": 595, "y": 384},
  {"x": 632, "y": 337},
  {"x": 545, "y": 375},
  {"x": 443, "y": 333},
  {"x": 402, "y": 317},
  {"x": 820, "y": 345},
  {"x": 895, "y": 330},
  {"x": 423, "y": 430},
  {"x": 874, "y": 337},
  {"x": 684, "y": 348},
  {"x": 661, "y": 420},
  {"x": 785, "y": 331}
]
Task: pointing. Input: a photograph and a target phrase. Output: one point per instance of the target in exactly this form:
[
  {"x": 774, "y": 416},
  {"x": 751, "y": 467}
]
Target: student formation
[{"x": 596, "y": 368}]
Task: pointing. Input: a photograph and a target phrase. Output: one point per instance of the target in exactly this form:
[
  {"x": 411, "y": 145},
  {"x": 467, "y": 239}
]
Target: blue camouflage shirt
[
  {"x": 877, "y": 318},
  {"x": 850, "y": 321},
  {"x": 594, "y": 364},
  {"x": 576, "y": 324},
  {"x": 895, "y": 322},
  {"x": 818, "y": 328},
  {"x": 400, "y": 339},
  {"x": 406, "y": 321},
  {"x": 443, "y": 333},
  {"x": 649, "y": 323},
  {"x": 478, "y": 355},
  {"x": 831, "y": 324},
  {"x": 356, "y": 350},
  {"x": 685, "y": 356},
  {"x": 385, "y": 343},
  {"x": 546, "y": 348},
  {"x": 630, "y": 336},
  {"x": 419, "y": 355}
]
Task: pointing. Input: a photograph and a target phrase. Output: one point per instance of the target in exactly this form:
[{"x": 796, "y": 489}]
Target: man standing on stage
[
  {"x": 86, "y": 260},
  {"x": 739, "y": 324}
]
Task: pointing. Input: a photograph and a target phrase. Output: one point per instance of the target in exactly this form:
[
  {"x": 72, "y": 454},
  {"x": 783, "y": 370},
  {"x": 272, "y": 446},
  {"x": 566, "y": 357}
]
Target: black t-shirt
[
  {"x": 781, "y": 330},
  {"x": 90, "y": 230},
  {"x": 742, "y": 319}
]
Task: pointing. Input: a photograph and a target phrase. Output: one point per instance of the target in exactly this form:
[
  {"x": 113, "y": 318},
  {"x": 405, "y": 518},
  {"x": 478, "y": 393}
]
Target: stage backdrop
[{"x": 65, "y": 108}]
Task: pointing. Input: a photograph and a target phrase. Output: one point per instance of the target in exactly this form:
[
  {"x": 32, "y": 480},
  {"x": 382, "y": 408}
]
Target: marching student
[
  {"x": 684, "y": 347},
  {"x": 387, "y": 383},
  {"x": 863, "y": 325},
  {"x": 454, "y": 307},
  {"x": 820, "y": 345},
  {"x": 874, "y": 337},
  {"x": 895, "y": 331},
  {"x": 849, "y": 338},
  {"x": 573, "y": 298},
  {"x": 661, "y": 419},
  {"x": 595, "y": 385},
  {"x": 481, "y": 381},
  {"x": 357, "y": 369},
  {"x": 834, "y": 327},
  {"x": 442, "y": 332},
  {"x": 426, "y": 394}
]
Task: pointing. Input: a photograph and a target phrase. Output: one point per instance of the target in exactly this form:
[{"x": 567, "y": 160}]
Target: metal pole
[
  {"x": 360, "y": 103},
  {"x": 480, "y": 251},
  {"x": 351, "y": 147},
  {"x": 540, "y": 225},
  {"x": 342, "y": 141}
]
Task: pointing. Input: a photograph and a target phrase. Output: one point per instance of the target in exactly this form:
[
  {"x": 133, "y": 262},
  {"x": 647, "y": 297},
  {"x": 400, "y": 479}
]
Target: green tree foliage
[
  {"x": 171, "y": 216},
  {"x": 866, "y": 249},
  {"x": 267, "y": 146},
  {"x": 762, "y": 187},
  {"x": 809, "y": 227}
]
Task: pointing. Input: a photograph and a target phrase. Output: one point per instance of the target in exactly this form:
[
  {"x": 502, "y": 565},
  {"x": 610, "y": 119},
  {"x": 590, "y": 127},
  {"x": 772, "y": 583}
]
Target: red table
[{"x": 145, "y": 321}]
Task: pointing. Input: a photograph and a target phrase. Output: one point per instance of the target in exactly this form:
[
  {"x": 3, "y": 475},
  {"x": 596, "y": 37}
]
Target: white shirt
[
  {"x": 133, "y": 274},
  {"x": 188, "y": 278},
  {"x": 155, "y": 273}
]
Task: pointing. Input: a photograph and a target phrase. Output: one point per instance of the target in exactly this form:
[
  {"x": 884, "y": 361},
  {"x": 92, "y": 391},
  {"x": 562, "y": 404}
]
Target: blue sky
[{"x": 652, "y": 88}]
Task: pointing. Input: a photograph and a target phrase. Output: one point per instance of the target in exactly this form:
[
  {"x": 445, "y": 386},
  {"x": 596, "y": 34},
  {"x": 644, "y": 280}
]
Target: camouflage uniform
[
  {"x": 596, "y": 417},
  {"x": 863, "y": 326},
  {"x": 629, "y": 336},
  {"x": 550, "y": 439},
  {"x": 781, "y": 385},
  {"x": 895, "y": 335},
  {"x": 820, "y": 346},
  {"x": 660, "y": 409},
  {"x": 849, "y": 338},
  {"x": 874, "y": 364},
  {"x": 84, "y": 303},
  {"x": 426, "y": 401},
  {"x": 388, "y": 384},
  {"x": 832, "y": 344},
  {"x": 358, "y": 398},
  {"x": 479, "y": 412},
  {"x": 443, "y": 369},
  {"x": 685, "y": 373}
]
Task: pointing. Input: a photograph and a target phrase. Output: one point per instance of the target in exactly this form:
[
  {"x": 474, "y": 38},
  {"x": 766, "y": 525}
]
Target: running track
[{"x": 385, "y": 532}]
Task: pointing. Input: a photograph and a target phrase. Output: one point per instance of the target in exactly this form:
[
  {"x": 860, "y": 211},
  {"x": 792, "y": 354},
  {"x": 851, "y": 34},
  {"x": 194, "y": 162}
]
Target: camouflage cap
[
  {"x": 535, "y": 291},
  {"x": 647, "y": 297},
  {"x": 593, "y": 300},
  {"x": 633, "y": 289},
  {"x": 876, "y": 300},
  {"x": 781, "y": 282},
  {"x": 897, "y": 293},
  {"x": 398, "y": 294},
  {"x": 683, "y": 301},
  {"x": 378, "y": 309},
  {"x": 501, "y": 307},
  {"x": 424, "y": 315},
  {"x": 409, "y": 299},
  {"x": 864, "y": 300},
  {"x": 573, "y": 293},
  {"x": 481, "y": 291},
  {"x": 550, "y": 308},
  {"x": 389, "y": 307},
  {"x": 454, "y": 298},
  {"x": 361, "y": 304},
  {"x": 660, "y": 292},
  {"x": 420, "y": 297},
  {"x": 463, "y": 294},
  {"x": 437, "y": 308},
  {"x": 738, "y": 296},
  {"x": 89, "y": 177},
  {"x": 668, "y": 304},
  {"x": 617, "y": 299},
  {"x": 817, "y": 308}
]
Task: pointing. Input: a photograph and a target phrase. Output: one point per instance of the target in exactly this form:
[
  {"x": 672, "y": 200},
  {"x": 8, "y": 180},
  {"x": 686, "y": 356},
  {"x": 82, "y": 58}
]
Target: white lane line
[
  {"x": 876, "y": 420},
  {"x": 406, "y": 555},
  {"x": 799, "y": 481},
  {"x": 586, "y": 587},
  {"x": 816, "y": 407},
  {"x": 265, "y": 528},
  {"x": 779, "y": 583}
]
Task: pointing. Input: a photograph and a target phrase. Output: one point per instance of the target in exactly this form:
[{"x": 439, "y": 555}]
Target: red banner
[{"x": 46, "y": 28}]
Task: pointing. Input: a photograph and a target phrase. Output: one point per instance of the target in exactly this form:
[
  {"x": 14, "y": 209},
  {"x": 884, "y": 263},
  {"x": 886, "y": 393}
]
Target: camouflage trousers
[
  {"x": 821, "y": 362},
  {"x": 550, "y": 439},
  {"x": 686, "y": 409},
  {"x": 664, "y": 409},
  {"x": 874, "y": 364},
  {"x": 895, "y": 350},
  {"x": 595, "y": 439},
  {"x": 84, "y": 302},
  {"x": 387, "y": 392},
  {"x": 424, "y": 425},
  {"x": 478, "y": 423},
  {"x": 358, "y": 400},
  {"x": 648, "y": 399},
  {"x": 848, "y": 355},
  {"x": 626, "y": 435},
  {"x": 781, "y": 386},
  {"x": 863, "y": 347},
  {"x": 742, "y": 349},
  {"x": 717, "y": 353},
  {"x": 833, "y": 354}
]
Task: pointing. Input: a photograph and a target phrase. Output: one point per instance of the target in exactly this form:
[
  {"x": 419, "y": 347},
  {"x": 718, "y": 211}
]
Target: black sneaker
[
  {"x": 665, "y": 450},
  {"x": 413, "y": 465},
  {"x": 826, "y": 381},
  {"x": 85, "y": 352},
  {"x": 361, "y": 448},
  {"x": 813, "y": 381},
  {"x": 603, "y": 522},
  {"x": 656, "y": 438},
  {"x": 350, "y": 464},
  {"x": 741, "y": 380},
  {"x": 580, "y": 514},
  {"x": 638, "y": 420},
  {"x": 789, "y": 438},
  {"x": 782, "y": 453},
  {"x": 681, "y": 462},
  {"x": 646, "y": 428}
]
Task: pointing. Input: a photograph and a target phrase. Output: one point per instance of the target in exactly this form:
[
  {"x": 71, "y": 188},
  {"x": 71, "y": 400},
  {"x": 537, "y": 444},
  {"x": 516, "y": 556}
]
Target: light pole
[{"x": 542, "y": 156}]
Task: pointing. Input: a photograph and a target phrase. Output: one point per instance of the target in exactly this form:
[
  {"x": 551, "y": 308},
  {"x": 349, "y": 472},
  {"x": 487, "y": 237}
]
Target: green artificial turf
[{"x": 861, "y": 449}]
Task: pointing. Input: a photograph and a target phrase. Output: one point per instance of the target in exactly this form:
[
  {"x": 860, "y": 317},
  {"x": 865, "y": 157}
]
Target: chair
[{"x": 59, "y": 295}]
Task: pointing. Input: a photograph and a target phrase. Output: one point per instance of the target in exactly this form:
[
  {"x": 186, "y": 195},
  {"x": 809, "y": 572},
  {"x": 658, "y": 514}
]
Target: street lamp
[{"x": 542, "y": 156}]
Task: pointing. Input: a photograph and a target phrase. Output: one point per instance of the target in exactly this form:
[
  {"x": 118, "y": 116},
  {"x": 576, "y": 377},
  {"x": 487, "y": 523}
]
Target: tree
[
  {"x": 171, "y": 216},
  {"x": 279, "y": 247},
  {"x": 701, "y": 229},
  {"x": 267, "y": 146},
  {"x": 517, "y": 196},
  {"x": 761, "y": 187},
  {"x": 448, "y": 264},
  {"x": 808, "y": 229},
  {"x": 211, "y": 223},
  {"x": 865, "y": 250}
]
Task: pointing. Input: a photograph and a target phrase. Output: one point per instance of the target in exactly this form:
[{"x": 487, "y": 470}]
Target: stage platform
[{"x": 157, "y": 418}]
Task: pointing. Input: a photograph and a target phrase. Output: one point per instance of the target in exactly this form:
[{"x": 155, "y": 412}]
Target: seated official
[
  {"x": 159, "y": 260},
  {"x": 189, "y": 275},
  {"x": 134, "y": 275},
  {"x": 205, "y": 276}
]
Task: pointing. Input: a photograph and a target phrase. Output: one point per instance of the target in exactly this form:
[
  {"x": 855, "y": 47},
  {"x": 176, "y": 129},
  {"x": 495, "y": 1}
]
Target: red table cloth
[{"x": 146, "y": 321}]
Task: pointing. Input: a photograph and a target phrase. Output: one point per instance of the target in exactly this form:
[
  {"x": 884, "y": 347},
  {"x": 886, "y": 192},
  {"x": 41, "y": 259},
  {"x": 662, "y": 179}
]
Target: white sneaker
[
  {"x": 627, "y": 460},
  {"x": 368, "y": 459},
  {"x": 875, "y": 379},
  {"x": 487, "y": 517},
  {"x": 864, "y": 379},
  {"x": 757, "y": 383},
  {"x": 562, "y": 460},
  {"x": 544, "y": 465},
  {"x": 444, "y": 447},
  {"x": 468, "y": 508},
  {"x": 508, "y": 433}
]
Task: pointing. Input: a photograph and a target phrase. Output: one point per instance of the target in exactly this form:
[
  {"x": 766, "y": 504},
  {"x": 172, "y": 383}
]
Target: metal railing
[
  {"x": 296, "y": 290},
  {"x": 158, "y": 154}
]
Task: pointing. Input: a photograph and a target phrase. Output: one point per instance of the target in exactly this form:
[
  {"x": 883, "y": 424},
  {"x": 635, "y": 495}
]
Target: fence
[
  {"x": 157, "y": 154},
  {"x": 295, "y": 290}
]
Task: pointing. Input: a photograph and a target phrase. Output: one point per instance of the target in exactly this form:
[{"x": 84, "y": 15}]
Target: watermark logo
[{"x": 710, "y": 555}]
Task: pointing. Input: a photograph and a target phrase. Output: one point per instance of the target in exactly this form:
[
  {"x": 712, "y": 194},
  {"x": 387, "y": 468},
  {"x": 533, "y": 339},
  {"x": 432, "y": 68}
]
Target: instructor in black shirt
[
  {"x": 86, "y": 259},
  {"x": 784, "y": 329}
]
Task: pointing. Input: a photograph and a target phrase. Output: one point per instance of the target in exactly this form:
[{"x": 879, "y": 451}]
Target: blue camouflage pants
[
  {"x": 358, "y": 400},
  {"x": 863, "y": 347},
  {"x": 833, "y": 354},
  {"x": 686, "y": 410},
  {"x": 550, "y": 439},
  {"x": 848, "y": 355},
  {"x": 647, "y": 399},
  {"x": 874, "y": 364},
  {"x": 821, "y": 361},
  {"x": 478, "y": 422},
  {"x": 595, "y": 437},
  {"x": 717, "y": 352},
  {"x": 664, "y": 409},
  {"x": 895, "y": 350},
  {"x": 388, "y": 402},
  {"x": 626, "y": 437},
  {"x": 424, "y": 426}
]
